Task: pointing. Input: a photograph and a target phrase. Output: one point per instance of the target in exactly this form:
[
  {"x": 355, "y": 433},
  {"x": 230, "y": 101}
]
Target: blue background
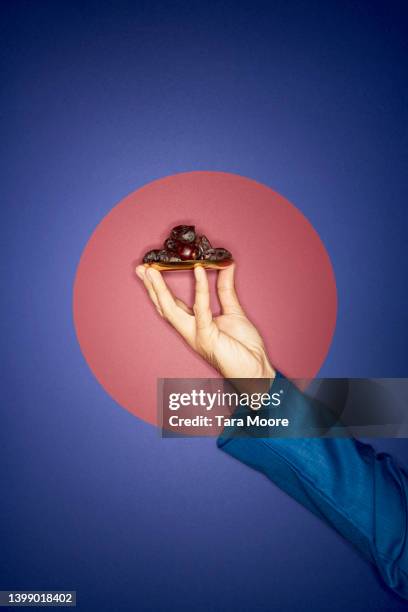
[{"x": 97, "y": 99}]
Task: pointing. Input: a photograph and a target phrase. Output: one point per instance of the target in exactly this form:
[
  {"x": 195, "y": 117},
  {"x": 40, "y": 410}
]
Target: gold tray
[{"x": 190, "y": 264}]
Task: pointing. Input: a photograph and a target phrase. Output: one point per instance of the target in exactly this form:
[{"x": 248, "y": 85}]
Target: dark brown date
[
  {"x": 170, "y": 244},
  {"x": 217, "y": 254},
  {"x": 188, "y": 251},
  {"x": 183, "y": 233},
  {"x": 184, "y": 244},
  {"x": 203, "y": 244},
  {"x": 151, "y": 256}
]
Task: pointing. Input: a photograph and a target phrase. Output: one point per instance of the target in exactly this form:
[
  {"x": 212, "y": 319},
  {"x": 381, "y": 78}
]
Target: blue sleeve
[{"x": 361, "y": 493}]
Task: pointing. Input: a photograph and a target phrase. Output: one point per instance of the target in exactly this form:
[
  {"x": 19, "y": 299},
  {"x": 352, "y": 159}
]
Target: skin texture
[{"x": 229, "y": 342}]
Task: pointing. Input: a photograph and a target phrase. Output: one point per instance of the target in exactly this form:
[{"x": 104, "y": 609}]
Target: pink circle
[{"x": 284, "y": 279}]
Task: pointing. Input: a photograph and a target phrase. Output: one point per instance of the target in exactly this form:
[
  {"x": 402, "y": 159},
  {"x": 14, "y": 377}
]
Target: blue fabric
[{"x": 361, "y": 493}]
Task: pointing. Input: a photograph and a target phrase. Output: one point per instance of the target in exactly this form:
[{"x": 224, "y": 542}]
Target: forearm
[{"x": 362, "y": 494}]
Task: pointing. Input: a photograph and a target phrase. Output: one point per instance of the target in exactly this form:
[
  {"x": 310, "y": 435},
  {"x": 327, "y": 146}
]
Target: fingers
[
  {"x": 141, "y": 273},
  {"x": 176, "y": 311},
  {"x": 166, "y": 304},
  {"x": 201, "y": 307},
  {"x": 183, "y": 306},
  {"x": 163, "y": 294},
  {"x": 226, "y": 291}
]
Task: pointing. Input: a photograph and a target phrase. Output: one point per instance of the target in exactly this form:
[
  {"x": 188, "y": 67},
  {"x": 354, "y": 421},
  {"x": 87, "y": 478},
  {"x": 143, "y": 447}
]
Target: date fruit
[
  {"x": 188, "y": 251},
  {"x": 185, "y": 245},
  {"x": 170, "y": 244},
  {"x": 151, "y": 256},
  {"x": 184, "y": 233},
  {"x": 217, "y": 254}
]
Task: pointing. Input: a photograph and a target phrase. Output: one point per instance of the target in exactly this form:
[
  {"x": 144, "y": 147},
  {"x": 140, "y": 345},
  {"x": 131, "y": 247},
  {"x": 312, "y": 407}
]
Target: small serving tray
[{"x": 190, "y": 264}]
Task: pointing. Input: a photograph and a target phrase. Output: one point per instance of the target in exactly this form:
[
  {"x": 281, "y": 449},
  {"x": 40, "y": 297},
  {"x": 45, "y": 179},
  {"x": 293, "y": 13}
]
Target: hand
[{"x": 229, "y": 342}]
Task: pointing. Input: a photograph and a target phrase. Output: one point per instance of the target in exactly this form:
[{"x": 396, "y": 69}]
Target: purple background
[{"x": 99, "y": 98}]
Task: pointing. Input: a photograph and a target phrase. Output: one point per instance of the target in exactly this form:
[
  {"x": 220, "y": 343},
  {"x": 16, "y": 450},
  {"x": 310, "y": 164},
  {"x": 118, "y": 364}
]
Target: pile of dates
[{"x": 184, "y": 244}]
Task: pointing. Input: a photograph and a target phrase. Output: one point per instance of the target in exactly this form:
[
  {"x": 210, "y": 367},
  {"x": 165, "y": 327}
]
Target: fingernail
[{"x": 149, "y": 274}]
